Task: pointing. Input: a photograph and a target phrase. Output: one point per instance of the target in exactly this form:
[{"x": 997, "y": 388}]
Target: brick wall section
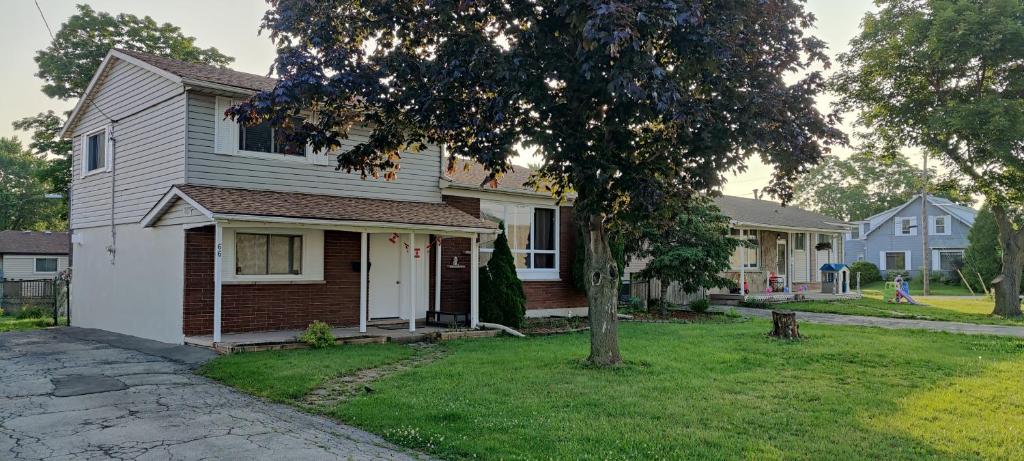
[
  {"x": 256, "y": 307},
  {"x": 455, "y": 282}
]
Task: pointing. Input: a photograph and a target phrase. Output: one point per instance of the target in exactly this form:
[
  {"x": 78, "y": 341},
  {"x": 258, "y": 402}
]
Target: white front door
[
  {"x": 390, "y": 276},
  {"x": 385, "y": 277}
]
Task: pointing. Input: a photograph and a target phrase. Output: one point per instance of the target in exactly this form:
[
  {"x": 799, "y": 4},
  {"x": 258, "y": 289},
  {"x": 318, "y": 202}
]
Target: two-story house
[
  {"x": 187, "y": 224},
  {"x": 892, "y": 239}
]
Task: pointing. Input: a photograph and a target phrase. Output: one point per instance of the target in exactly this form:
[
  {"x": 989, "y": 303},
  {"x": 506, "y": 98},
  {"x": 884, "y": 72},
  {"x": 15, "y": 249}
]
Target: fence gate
[{"x": 48, "y": 295}]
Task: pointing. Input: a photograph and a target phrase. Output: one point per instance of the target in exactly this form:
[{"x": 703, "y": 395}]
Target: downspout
[
  {"x": 112, "y": 249},
  {"x": 495, "y": 326}
]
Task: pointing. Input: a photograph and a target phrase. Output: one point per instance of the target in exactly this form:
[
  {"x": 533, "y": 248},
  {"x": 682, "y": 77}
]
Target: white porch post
[
  {"x": 743, "y": 263},
  {"x": 362, "y": 281},
  {"x": 437, "y": 274},
  {"x": 474, "y": 282},
  {"x": 218, "y": 254},
  {"x": 790, "y": 264},
  {"x": 412, "y": 282}
]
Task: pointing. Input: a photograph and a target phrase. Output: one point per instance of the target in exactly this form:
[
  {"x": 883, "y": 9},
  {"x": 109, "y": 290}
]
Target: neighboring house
[
  {"x": 785, "y": 238},
  {"x": 29, "y": 255},
  {"x": 892, "y": 239},
  {"x": 186, "y": 224}
]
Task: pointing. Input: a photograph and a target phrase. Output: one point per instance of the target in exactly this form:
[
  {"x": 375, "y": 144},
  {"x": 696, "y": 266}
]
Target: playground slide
[{"x": 906, "y": 296}]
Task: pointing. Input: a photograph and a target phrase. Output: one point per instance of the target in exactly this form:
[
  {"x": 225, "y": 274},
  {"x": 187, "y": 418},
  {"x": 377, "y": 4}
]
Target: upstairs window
[
  {"x": 268, "y": 254},
  {"x": 263, "y": 138},
  {"x": 854, "y": 233},
  {"x": 906, "y": 226},
  {"x": 96, "y": 152},
  {"x": 940, "y": 225}
]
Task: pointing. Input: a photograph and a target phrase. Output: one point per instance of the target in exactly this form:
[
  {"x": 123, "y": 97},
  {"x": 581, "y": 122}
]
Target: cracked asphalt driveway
[{"x": 128, "y": 398}]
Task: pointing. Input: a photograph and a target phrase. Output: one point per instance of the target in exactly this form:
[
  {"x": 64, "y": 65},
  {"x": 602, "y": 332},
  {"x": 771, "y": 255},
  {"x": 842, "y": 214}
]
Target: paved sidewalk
[
  {"x": 73, "y": 394},
  {"x": 882, "y": 322}
]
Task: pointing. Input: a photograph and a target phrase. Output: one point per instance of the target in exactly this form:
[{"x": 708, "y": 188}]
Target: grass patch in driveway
[
  {"x": 284, "y": 376},
  {"x": 12, "y": 323},
  {"x": 697, "y": 391}
]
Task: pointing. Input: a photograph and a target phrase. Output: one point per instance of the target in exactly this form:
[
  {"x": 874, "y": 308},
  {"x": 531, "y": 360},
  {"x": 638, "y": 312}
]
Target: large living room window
[
  {"x": 268, "y": 254},
  {"x": 532, "y": 232},
  {"x": 896, "y": 261}
]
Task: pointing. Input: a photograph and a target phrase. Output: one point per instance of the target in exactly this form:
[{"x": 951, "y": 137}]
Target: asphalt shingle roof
[
  {"x": 472, "y": 174},
  {"x": 206, "y": 73},
  {"x": 767, "y": 213},
  {"x": 221, "y": 200},
  {"x": 26, "y": 242}
]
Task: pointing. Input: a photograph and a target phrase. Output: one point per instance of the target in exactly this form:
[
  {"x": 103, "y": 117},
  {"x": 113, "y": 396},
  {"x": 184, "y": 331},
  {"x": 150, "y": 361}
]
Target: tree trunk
[
  {"x": 661, "y": 301},
  {"x": 602, "y": 277},
  {"x": 1007, "y": 284},
  {"x": 784, "y": 325}
]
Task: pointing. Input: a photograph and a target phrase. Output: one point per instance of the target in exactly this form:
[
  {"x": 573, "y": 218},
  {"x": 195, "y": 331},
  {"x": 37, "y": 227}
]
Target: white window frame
[
  {"x": 751, "y": 263},
  {"x": 229, "y": 132},
  {"x": 35, "y": 265},
  {"x": 108, "y": 157},
  {"x": 898, "y": 226},
  {"x": 937, "y": 255},
  {"x": 882, "y": 262},
  {"x": 532, "y": 273},
  {"x": 313, "y": 248},
  {"x": 933, "y": 225}
]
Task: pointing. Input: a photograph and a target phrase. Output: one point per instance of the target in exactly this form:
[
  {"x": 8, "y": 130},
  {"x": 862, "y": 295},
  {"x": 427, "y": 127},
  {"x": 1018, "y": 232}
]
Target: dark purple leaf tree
[{"x": 628, "y": 104}]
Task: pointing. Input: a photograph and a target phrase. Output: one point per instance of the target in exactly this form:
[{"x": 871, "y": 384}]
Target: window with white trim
[
  {"x": 268, "y": 254},
  {"x": 46, "y": 265},
  {"x": 940, "y": 225},
  {"x": 949, "y": 260},
  {"x": 799, "y": 241},
  {"x": 532, "y": 233},
  {"x": 896, "y": 260},
  {"x": 906, "y": 226},
  {"x": 96, "y": 152},
  {"x": 744, "y": 255},
  {"x": 263, "y": 138},
  {"x": 854, "y": 233}
]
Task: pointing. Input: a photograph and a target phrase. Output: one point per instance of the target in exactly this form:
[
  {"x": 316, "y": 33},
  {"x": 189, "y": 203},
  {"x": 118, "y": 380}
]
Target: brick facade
[{"x": 257, "y": 307}]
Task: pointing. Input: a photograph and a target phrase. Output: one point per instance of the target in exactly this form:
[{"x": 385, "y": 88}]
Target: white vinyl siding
[
  {"x": 214, "y": 160},
  {"x": 146, "y": 148},
  {"x": 23, "y": 267},
  {"x": 181, "y": 213}
]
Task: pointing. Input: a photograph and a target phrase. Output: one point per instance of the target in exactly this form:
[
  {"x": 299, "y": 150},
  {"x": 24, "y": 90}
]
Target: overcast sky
[{"x": 233, "y": 25}]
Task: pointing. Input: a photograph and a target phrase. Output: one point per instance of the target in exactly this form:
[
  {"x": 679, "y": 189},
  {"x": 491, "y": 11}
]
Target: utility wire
[{"x": 41, "y": 15}]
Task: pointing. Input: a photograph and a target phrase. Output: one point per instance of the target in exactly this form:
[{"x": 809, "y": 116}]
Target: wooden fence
[
  {"x": 49, "y": 295},
  {"x": 647, "y": 290}
]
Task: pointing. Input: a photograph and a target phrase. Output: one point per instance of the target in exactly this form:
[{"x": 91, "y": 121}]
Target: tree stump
[{"x": 784, "y": 325}]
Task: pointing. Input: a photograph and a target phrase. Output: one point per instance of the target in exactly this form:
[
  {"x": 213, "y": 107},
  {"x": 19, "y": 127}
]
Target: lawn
[
  {"x": 697, "y": 391},
  {"x": 954, "y": 309},
  {"x": 12, "y": 323},
  {"x": 934, "y": 288}
]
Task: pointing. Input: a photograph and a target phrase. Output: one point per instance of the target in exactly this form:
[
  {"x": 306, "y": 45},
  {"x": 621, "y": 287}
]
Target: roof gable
[{"x": 963, "y": 214}]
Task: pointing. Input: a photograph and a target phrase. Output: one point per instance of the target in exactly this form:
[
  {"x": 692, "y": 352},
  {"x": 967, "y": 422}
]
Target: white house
[{"x": 30, "y": 255}]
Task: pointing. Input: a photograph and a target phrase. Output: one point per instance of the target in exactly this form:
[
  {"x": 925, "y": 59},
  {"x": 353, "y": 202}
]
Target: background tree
[
  {"x": 983, "y": 255},
  {"x": 864, "y": 184},
  {"x": 502, "y": 299},
  {"x": 23, "y": 202},
  {"x": 691, "y": 250},
  {"x": 626, "y": 103},
  {"x": 946, "y": 75},
  {"x": 67, "y": 65}
]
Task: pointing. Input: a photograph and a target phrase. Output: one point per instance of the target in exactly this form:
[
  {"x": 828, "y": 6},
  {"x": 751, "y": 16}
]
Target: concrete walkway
[
  {"x": 881, "y": 322},
  {"x": 72, "y": 393}
]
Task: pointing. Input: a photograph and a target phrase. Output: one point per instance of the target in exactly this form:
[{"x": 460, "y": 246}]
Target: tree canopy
[
  {"x": 628, "y": 104},
  {"x": 23, "y": 201},
  {"x": 864, "y": 184},
  {"x": 78, "y": 48},
  {"x": 946, "y": 76}
]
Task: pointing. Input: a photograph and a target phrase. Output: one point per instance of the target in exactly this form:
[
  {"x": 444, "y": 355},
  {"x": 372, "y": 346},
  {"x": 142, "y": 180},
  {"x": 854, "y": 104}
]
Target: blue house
[{"x": 892, "y": 239}]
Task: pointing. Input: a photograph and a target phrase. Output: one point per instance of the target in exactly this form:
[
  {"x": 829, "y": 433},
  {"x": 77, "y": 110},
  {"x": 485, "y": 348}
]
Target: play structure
[
  {"x": 835, "y": 278},
  {"x": 897, "y": 291}
]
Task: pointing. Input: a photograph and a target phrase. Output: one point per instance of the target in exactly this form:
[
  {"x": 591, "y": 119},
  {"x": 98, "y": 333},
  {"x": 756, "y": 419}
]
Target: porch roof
[{"x": 251, "y": 204}]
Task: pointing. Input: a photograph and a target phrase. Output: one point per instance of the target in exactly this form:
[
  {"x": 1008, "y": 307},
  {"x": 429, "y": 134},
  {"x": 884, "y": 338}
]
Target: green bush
[
  {"x": 318, "y": 335},
  {"x": 502, "y": 299},
  {"x": 757, "y": 304},
  {"x": 701, "y": 305},
  {"x": 869, "y": 272},
  {"x": 31, "y": 313}
]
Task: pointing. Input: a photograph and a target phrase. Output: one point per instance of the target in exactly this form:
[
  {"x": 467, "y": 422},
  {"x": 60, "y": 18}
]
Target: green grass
[
  {"x": 970, "y": 310},
  {"x": 10, "y": 323},
  {"x": 697, "y": 391},
  {"x": 287, "y": 375},
  {"x": 934, "y": 288}
]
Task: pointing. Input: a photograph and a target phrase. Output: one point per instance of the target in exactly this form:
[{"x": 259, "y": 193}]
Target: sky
[{"x": 232, "y": 26}]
